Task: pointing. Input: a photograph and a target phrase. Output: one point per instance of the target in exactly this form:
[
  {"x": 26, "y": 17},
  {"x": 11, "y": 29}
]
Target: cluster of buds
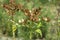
[
  {"x": 12, "y": 7},
  {"x": 32, "y": 14}
]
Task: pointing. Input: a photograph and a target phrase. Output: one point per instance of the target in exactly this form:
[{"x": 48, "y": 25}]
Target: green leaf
[
  {"x": 58, "y": 20},
  {"x": 39, "y": 25},
  {"x": 39, "y": 31},
  {"x": 14, "y": 28}
]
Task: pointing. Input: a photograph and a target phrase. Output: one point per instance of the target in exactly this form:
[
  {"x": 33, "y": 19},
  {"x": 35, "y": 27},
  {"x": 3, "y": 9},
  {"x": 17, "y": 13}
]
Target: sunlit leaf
[
  {"x": 39, "y": 25},
  {"x": 58, "y": 20},
  {"x": 39, "y": 31},
  {"x": 14, "y": 28}
]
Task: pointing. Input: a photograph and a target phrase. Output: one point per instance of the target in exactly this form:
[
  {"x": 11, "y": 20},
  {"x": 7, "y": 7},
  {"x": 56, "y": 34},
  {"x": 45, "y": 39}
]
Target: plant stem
[{"x": 14, "y": 36}]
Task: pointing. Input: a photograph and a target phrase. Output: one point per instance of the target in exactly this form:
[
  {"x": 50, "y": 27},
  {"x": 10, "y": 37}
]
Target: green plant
[{"x": 28, "y": 19}]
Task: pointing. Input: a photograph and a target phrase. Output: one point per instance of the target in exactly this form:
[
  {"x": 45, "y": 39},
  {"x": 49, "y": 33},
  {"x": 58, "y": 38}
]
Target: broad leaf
[{"x": 39, "y": 31}]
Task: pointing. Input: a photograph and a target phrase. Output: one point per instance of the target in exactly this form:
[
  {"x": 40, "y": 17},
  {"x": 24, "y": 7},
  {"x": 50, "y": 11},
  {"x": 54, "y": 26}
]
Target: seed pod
[
  {"x": 31, "y": 17},
  {"x": 19, "y": 6},
  {"x": 11, "y": 13},
  {"x": 36, "y": 11},
  {"x": 6, "y": 6},
  {"x": 36, "y": 19},
  {"x": 27, "y": 12}
]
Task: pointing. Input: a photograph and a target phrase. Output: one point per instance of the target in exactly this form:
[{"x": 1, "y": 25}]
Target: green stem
[
  {"x": 14, "y": 36},
  {"x": 30, "y": 35}
]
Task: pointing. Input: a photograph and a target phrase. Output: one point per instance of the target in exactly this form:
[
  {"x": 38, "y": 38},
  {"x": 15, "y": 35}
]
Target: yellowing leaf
[
  {"x": 14, "y": 28},
  {"x": 39, "y": 31}
]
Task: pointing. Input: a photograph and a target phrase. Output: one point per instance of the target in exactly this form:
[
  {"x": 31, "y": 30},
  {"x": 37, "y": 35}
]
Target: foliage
[{"x": 30, "y": 29}]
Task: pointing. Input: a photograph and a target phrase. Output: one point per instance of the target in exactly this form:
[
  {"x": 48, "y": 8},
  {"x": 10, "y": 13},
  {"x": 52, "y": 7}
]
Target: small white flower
[
  {"x": 19, "y": 21},
  {"x": 22, "y": 20},
  {"x": 45, "y": 18},
  {"x": 39, "y": 19},
  {"x": 30, "y": 11}
]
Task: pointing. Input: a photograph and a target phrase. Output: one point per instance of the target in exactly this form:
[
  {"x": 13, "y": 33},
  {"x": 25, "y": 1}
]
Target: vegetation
[{"x": 30, "y": 19}]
